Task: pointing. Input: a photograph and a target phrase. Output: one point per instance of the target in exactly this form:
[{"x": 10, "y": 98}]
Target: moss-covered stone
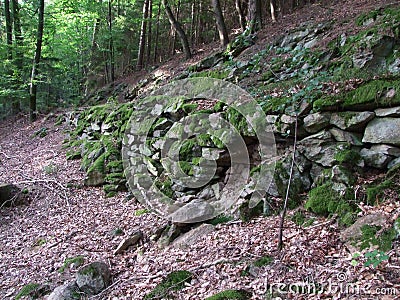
[
  {"x": 370, "y": 237},
  {"x": 174, "y": 281},
  {"x": 231, "y": 295}
]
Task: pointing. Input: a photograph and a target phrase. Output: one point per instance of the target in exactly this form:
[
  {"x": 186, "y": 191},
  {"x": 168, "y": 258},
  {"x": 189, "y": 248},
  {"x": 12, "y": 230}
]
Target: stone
[
  {"x": 340, "y": 175},
  {"x": 168, "y": 234},
  {"x": 133, "y": 239},
  {"x": 193, "y": 212},
  {"x": 395, "y": 66},
  {"x": 354, "y": 231},
  {"x": 68, "y": 291},
  {"x": 386, "y": 149},
  {"x": 375, "y": 159},
  {"x": 346, "y": 137},
  {"x": 383, "y": 131},
  {"x": 304, "y": 108},
  {"x": 388, "y": 112},
  {"x": 93, "y": 278},
  {"x": 10, "y": 195},
  {"x": 320, "y": 148},
  {"x": 393, "y": 163},
  {"x": 352, "y": 121},
  {"x": 94, "y": 178},
  {"x": 193, "y": 236},
  {"x": 316, "y": 122}
]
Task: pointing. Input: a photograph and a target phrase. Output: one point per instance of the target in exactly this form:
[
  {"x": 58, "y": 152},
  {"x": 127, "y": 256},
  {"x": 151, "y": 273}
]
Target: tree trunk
[
  {"x": 254, "y": 15},
  {"x": 219, "y": 19},
  {"x": 111, "y": 43},
  {"x": 272, "y": 6},
  {"x": 242, "y": 18},
  {"x": 36, "y": 61},
  {"x": 7, "y": 15},
  {"x": 157, "y": 33},
  {"x": 149, "y": 33},
  {"x": 178, "y": 28},
  {"x": 19, "y": 43},
  {"x": 142, "y": 39}
]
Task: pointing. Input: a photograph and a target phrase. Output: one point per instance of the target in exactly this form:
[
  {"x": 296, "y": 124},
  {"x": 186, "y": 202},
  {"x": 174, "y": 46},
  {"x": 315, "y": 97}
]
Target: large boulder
[
  {"x": 193, "y": 236},
  {"x": 383, "y": 131},
  {"x": 93, "y": 278}
]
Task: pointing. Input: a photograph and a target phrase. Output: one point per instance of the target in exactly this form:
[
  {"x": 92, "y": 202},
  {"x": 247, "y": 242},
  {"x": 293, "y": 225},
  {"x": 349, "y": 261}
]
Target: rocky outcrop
[{"x": 93, "y": 278}]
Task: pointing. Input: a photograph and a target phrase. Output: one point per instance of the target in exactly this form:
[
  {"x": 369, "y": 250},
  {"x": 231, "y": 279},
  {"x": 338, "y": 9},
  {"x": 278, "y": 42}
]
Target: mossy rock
[
  {"x": 326, "y": 200},
  {"x": 174, "y": 281},
  {"x": 231, "y": 295},
  {"x": 246, "y": 213},
  {"x": 370, "y": 238},
  {"x": 375, "y": 93},
  {"x": 33, "y": 291}
]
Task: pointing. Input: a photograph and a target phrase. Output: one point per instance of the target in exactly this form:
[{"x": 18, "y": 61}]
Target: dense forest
[{"x": 56, "y": 53}]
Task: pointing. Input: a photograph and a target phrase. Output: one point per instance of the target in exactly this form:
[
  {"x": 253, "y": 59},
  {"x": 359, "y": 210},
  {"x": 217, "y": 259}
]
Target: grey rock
[
  {"x": 388, "y": 112},
  {"x": 394, "y": 163},
  {"x": 352, "y": 121},
  {"x": 383, "y": 131},
  {"x": 168, "y": 234},
  {"x": 193, "y": 212},
  {"x": 395, "y": 66},
  {"x": 375, "y": 159},
  {"x": 320, "y": 148},
  {"x": 193, "y": 236},
  {"x": 341, "y": 175},
  {"x": 304, "y": 108},
  {"x": 316, "y": 122},
  {"x": 68, "y": 291},
  {"x": 94, "y": 178},
  {"x": 354, "y": 231},
  {"x": 93, "y": 278},
  {"x": 133, "y": 239},
  {"x": 345, "y": 136},
  {"x": 206, "y": 193},
  {"x": 386, "y": 149}
]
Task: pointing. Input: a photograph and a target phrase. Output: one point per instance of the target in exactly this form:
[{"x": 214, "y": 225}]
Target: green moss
[
  {"x": 189, "y": 107},
  {"x": 371, "y": 93},
  {"x": 370, "y": 238},
  {"x": 165, "y": 186},
  {"x": 263, "y": 261},
  {"x": 231, "y": 295},
  {"x": 27, "y": 290},
  {"x": 77, "y": 261},
  {"x": 218, "y": 74},
  {"x": 141, "y": 212},
  {"x": 375, "y": 192},
  {"x": 348, "y": 157},
  {"x": 300, "y": 219},
  {"x": 220, "y": 220},
  {"x": 98, "y": 165},
  {"x": 360, "y": 20},
  {"x": 173, "y": 282}
]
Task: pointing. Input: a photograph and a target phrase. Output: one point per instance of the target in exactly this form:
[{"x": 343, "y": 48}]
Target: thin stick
[{"x": 280, "y": 238}]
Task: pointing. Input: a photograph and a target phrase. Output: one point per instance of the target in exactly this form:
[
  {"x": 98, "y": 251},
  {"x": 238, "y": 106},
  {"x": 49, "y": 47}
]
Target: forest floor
[{"x": 65, "y": 219}]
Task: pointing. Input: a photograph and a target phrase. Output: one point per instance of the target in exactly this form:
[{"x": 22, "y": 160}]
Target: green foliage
[
  {"x": 231, "y": 295},
  {"x": 300, "y": 219},
  {"x": 76, "y": 261},
  {"x": 263, "y": 261},
  {"x": 348, "y": 157},
  {"x": 375, "y": 257},
  {"x": 174, "y": 281},
  {"x": 141, "y": 212},
  {"x": 370, "y": 237},
  {"x": 220, "y": 220},
  {"x": 27, "y": 290},
  {"x": 376, "y": 191}
]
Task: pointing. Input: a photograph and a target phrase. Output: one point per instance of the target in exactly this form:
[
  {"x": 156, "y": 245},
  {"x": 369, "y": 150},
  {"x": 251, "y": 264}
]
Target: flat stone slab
[
  {"x": 388, "y": 112},
  {"x": 383, "y": 131}
]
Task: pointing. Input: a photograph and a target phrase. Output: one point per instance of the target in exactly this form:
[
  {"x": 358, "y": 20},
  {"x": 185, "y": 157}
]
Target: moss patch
[
  {"x": 28, "y": 290},
  {"x": 77, "y": 261},
  {"x": 173, "y": 282},
  {"x": 231, "y": 294},
  {"x": 370, "y": 238}
]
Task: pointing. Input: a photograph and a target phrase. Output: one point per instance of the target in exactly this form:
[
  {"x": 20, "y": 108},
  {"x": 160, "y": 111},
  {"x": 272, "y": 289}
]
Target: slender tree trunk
[
  {"x": 178, "y": 11},
  {"x": 149, "y": 33},
  {"x": 254, "y": 15},
  {"x": 242, "y": 18},
  {"x": 111, "y": 43},
  {"x": 178, "y": 28},
  {"x": 219, "y": 19},
  {"x": 192, "y": 21},
  {"x": 36, "y": 61},
  {"x": 142, "y": 39},
  {"x": 157, "y": 33},
  {"x": 7, "y": 15},
  {"x": 272, "y": 6},
  {"x": 19, "y": 42}
]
